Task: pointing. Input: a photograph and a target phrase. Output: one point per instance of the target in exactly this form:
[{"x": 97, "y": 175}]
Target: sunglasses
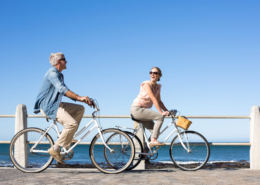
[
  {"x": 63, "y": 59},
  {"x": 155, "y": 73}
]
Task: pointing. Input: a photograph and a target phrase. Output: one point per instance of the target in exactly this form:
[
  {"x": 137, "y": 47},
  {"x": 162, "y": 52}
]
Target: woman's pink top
[{"x": 143, "y": 99}]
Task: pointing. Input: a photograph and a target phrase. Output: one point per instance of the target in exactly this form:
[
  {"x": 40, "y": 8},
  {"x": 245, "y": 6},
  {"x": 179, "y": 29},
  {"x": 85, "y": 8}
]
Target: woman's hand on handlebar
[{"x": 166, "y": 113}]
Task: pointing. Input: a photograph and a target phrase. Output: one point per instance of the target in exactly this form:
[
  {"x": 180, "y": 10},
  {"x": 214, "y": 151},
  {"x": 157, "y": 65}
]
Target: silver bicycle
[
  {"x": 28, "y": 148},
  {"x": 189, "y": 150}
]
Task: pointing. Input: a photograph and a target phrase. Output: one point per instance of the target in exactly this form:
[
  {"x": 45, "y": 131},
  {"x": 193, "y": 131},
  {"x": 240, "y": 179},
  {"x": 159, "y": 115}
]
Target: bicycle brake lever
[
  {"x": 93, "y": 103},
  {"x": 173, "y": 112}
]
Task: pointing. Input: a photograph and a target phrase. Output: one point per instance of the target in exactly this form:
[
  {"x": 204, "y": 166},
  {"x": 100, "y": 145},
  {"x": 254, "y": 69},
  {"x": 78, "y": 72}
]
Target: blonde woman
[{"x": 140, "y": 109}]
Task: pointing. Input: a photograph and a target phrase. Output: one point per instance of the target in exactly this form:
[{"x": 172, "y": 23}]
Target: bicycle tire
[
  {"x": 22, "y": 158},
  {"x": 198, "y": 155},
  {"x": 106, "y": 161},
  {"x": 138, "y": 148}
]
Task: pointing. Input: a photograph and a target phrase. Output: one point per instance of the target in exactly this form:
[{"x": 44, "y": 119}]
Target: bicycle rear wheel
[
  {"x": 21, "y": 155},
  {"x": 119, "y": 159},
  {"x": 138, "y": 149},
  {"x": 196, "y": 155}
]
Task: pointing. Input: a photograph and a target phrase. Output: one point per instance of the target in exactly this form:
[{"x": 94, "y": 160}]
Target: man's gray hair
[{"x": 54, "y": 57}]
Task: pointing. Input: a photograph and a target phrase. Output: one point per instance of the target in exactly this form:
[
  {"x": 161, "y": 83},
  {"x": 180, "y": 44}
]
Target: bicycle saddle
[{"x": 134, "y": 118}]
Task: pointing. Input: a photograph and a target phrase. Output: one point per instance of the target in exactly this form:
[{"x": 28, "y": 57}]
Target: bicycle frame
[
  {"x": 96, "y": 125},
  {"x": 140, "y": 126}
]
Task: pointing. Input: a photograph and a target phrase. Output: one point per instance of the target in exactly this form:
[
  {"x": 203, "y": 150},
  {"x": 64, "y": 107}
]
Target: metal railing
[
  {"x": 6, "y": 151},
  {"x": 124, "y": 116},
  {"x": 118, "y": 116}
]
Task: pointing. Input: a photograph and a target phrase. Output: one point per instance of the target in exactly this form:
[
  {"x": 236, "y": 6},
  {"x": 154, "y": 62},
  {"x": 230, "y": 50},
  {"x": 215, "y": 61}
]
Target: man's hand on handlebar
[{"x": 87, "y": 100}]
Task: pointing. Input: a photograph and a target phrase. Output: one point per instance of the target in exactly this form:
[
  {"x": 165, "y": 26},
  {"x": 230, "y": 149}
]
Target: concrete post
[
  {"x": 140, "y": 135},
  {"x": 255, "y": 138},
  {"x": 20, "y": 124}
]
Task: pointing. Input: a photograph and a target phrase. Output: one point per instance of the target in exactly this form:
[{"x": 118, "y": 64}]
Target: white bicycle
[
  {"x": 28, "y": 148},
  {"x": 189, "y": 150}
]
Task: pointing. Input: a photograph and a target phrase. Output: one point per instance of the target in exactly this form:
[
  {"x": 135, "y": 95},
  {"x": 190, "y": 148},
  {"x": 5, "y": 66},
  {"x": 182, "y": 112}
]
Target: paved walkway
[{"x": 168, "y": 176}]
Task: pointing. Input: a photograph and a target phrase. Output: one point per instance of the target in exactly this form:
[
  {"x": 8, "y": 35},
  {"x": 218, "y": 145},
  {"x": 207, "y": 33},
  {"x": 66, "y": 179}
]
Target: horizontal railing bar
[
  {"x": 118, "y": 116},
  {"x": 7, "y": 116},
  {"x": 220, "y": 144},
  {"x": 81, "y": 143},
  {"x": 219, "y": 117},
  {"x": 228, "y": 144}
]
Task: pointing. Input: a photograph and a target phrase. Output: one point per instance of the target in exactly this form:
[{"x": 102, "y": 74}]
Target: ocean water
[{"x": 81, "y": 154}]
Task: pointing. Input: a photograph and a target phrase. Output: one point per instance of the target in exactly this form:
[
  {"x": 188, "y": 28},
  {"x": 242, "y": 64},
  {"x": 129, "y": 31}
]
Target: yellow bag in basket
[{"x": 183, "y": 122}]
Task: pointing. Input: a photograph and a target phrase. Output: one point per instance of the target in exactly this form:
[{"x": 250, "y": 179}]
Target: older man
[{"x": 49, "y": 103}]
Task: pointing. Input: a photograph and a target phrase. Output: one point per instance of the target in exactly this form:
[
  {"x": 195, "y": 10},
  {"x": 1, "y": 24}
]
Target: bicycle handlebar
[{"x": 172, "y": 112}]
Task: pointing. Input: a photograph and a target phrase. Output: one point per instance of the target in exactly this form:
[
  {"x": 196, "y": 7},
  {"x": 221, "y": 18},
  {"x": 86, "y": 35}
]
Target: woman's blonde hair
[
  {"x": 54, "y": 57},
  {"x": 159, "y": 70}
]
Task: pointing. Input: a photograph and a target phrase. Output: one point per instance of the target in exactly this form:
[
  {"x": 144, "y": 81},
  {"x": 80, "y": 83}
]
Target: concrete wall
[
  {"x": 255, "y": 138},
  {"x": 20, "y": 124},
  {"x": 140, "y": 134}
]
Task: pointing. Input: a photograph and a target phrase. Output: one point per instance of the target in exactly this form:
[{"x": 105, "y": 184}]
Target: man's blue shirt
[{"x": 51, "y": 92}]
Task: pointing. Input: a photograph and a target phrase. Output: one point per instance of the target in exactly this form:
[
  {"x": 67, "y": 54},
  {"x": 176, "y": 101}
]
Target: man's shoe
[
  {"x": 152, "y": 144},
  {"x": 56, "y": 155}
]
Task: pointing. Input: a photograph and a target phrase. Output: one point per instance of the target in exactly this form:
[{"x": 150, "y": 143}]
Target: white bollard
[
  {"x": 255, "y": 138},
  {"x": 140, "y": 135},
  {"x": 20, "y": 124}
]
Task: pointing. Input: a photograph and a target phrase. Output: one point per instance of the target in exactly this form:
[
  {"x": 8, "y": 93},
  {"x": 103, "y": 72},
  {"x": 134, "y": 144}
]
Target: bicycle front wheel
[
  {"x": 189, "y": 152},
  {"x": 24, "y": 157},
  {"x": 117, "y": 157}
]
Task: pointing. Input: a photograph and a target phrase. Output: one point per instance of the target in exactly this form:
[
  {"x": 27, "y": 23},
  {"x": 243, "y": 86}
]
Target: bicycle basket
[{"x": 183, "y": 122}]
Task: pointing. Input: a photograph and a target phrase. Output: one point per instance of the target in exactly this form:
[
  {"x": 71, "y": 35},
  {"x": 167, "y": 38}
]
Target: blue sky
[{"x": 208, "y": 52}]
